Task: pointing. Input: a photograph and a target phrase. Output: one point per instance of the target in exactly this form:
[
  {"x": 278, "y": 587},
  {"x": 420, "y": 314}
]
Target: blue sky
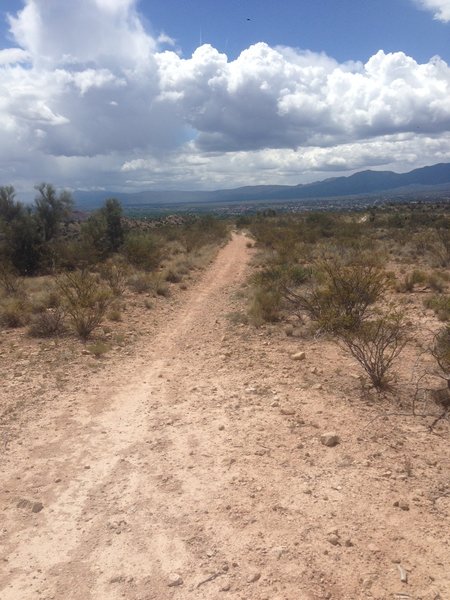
[{"x": 130, "y": 95}]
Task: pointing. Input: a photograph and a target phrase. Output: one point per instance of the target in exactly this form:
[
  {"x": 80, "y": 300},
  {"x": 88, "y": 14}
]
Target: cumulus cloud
[
  {"x": 270, "y": 97},
  {"x": 439, "y": 8},
  {"x": 87, "y": 90}
]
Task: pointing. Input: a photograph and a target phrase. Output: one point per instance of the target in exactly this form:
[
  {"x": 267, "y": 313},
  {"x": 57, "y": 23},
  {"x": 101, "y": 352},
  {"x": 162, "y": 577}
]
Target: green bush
[{"x": 143, "y": 251}]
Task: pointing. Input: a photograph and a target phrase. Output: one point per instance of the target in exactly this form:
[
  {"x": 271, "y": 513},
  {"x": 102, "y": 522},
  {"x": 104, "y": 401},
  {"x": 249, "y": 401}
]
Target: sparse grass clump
[
  {"x": 141, "y": 283},
  {"x": 440, "y": 304},
  {"x": 98, "y": 349},
  {"x": 14, "y": 312},
  {"x": 47, "y": 324},
  {"x": 115, "y": 276}
]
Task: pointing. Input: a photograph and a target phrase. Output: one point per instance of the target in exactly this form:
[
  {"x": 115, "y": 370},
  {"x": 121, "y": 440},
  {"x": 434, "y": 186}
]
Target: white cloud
[
  {"x": 89, "y": 93},
  {"x": 439, "y": 8},
  {"x": 13, "y": 55}
]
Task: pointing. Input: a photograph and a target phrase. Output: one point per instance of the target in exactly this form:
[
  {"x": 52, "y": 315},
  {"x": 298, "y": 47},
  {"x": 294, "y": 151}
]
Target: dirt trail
[{"x": 196, "y": 471}]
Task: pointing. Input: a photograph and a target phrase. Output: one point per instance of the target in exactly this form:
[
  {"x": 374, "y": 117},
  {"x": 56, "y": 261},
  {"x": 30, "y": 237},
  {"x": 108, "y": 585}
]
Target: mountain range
[{"x": 435, "y": 177}]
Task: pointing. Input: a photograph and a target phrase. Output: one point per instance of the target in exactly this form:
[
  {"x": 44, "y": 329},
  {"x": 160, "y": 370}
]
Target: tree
[
  {"x": 24, "y": 243},
  {"x": 10, "y": 209},
  {"x": 103, "y": 230},
  {"x": 112, "y": 212},
  {"x": 51, "y": 209}
]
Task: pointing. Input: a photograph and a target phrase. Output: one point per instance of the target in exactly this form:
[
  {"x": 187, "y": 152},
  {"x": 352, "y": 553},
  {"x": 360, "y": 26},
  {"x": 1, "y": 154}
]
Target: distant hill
[{"x": 362, "y": 183}]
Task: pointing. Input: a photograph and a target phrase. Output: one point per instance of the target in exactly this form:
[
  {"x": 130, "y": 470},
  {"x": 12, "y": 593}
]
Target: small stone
[
  {"x": 402, "y": 504},
  {"x": 174, "y": 580},
  {"x": 317, "y": 386},
  {"x": 298, "y": 356},
  {"x": 253, "y": 577},
  {"x": 333, "y": 539},
  {"x": 330, "y": 439},
  {"x": 287, "y": 410},
  {"x": 221, "y": 427},
  {"x": 35, "y": 507},
  {"x": 225, "y": 587}
]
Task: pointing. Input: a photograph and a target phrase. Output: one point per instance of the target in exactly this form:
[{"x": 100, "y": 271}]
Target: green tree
[
  {"x": 24, "y": 243},
  {"x": 10, "y": 208},
  {"x": 112, "y": 213},
  {"x": 103, "y": 231},
  {"x": 51, "y": 209}
]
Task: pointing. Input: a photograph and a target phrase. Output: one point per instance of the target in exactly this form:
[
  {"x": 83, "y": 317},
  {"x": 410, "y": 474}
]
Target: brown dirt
[{"x": 197, "y": 457}]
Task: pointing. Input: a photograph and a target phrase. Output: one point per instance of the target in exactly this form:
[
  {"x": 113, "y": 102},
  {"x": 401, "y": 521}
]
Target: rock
[
  {"x": 402, "y": 504},
  {"x": 225, "y": 587},
  {"x": 174, "y": 580},
  {"x": 35, "y": 507},
  {"x": 317, "y": 386},
  {"x": 333, "y": 539},
  {"x": 221, "y": 427},
  {"x": 253, "y": 577},
  {"x": 330, "y": 439},
  {"x": 278, "y": 551},
  {"x": 287, "y": 410},
  {"x": 298, "y": 356}
]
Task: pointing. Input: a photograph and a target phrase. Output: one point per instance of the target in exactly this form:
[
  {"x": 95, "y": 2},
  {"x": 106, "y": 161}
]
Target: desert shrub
[
  {"x": 339, "y": 294},
  {"x": 440, "y": 350},
  {"x": 411, "y": 279},
  {"x": 376, "y": 344},
  {"x": 10, "y": 283},
  {"x": 85, "y": 301},
  {"x": 265, "y": 306},
  {"x": 115, "y": 276},
  {"x": 161, "y": 288},
  {"x": 99, "y": 348},
  {"x": 49, "y": 323},
  {"x": 440, "y": 305},
  {"x": 141, "y": 283},
  {"x": 14, "y": 312},
  {"x": 173, "y": 276},
  {"x": 435, "y": 281},
  {"x": 115, "y": 315},
  {"x": 143, "y": 251},
  {"x": 268, "y": 287}
]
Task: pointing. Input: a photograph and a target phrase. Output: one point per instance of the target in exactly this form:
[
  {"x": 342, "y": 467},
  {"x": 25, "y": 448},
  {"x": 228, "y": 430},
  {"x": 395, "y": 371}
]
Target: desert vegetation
[
  {"x": 374, "y": 283},
  {"x": 63, "y": 275}
]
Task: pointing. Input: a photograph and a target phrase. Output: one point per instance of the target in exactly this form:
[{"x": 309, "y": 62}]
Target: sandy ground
[{"x": 193, "y": 467}]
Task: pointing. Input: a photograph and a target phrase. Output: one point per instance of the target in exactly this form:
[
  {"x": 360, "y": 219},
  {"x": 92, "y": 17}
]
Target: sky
[{"x": 128, "y": 95}]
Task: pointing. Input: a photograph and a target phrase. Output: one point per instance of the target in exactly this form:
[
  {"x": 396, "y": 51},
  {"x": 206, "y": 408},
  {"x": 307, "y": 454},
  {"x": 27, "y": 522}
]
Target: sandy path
[{"x": 200, "y": 460}]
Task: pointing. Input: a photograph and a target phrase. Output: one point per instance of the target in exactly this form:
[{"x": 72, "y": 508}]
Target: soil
[{"x": 192, "y": 466}]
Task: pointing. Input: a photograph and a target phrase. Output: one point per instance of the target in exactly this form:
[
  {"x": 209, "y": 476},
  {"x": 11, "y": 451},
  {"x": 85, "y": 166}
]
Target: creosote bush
[
  {"x": 376, "y": 344},
  {"x": 339, "y": 295},
  {"x": 85, "y": 301}
]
